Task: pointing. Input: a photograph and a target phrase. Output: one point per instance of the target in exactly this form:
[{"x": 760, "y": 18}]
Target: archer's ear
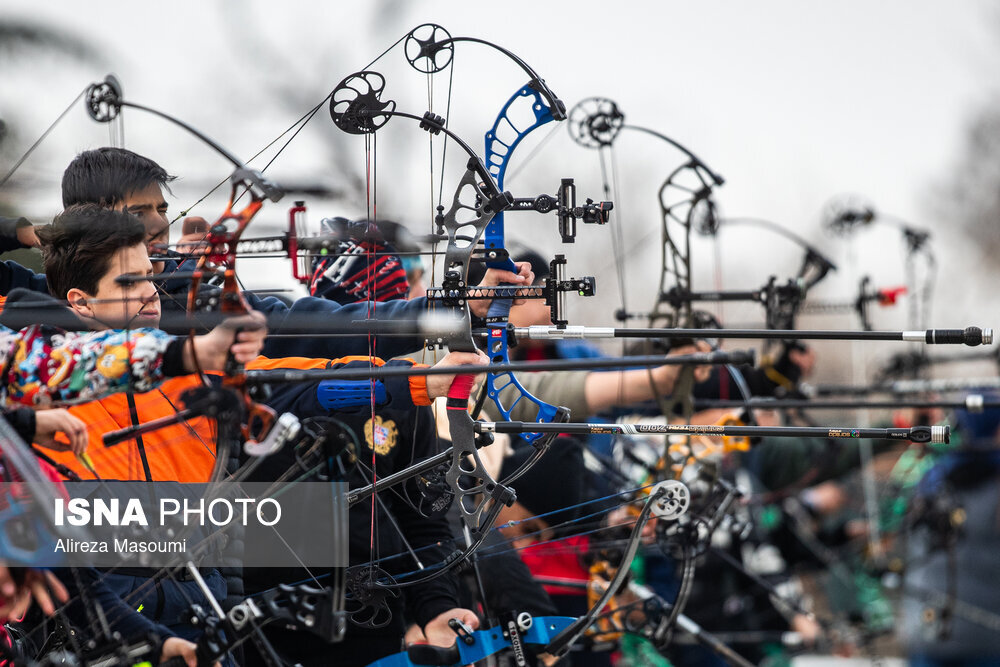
[{"x": 78, "y": 303}]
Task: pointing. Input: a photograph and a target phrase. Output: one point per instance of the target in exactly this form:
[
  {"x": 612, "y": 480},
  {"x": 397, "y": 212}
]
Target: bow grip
[
  {"x": 232, "y": 367},
  {"x": 425, "y": 654},
  {"x": 500, "y": 308},
  {"x": 459, "y": 392}
]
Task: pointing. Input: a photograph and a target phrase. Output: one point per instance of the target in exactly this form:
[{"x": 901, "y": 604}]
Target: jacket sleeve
[
  {"x": 312, "y": 309},
  {"x": 44, "y": 366},
  {"x": 317, "y": 397},
  {"x": 120, "y": 616},
  {"x": 781, "y": 462},
  {"x": 333, "y": 314},
  {"x": 13, "y": 275},
  {"x": 23, "y": 421},
  {"x": 8, "y": 233}
]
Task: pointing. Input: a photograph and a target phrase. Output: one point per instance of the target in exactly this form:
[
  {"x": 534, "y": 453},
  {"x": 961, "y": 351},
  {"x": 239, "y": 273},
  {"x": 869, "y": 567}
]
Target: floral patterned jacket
[{"x": 42, "y": 366}]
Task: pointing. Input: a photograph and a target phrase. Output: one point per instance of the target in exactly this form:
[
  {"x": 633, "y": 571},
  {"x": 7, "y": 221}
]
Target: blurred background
[{"x": 795, "y": 104}]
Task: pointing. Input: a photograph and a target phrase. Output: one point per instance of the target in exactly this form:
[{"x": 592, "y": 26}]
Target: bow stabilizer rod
[
  {"x": 971, "y": 336},
  {"x": 972, "y": 403},
  {"x": 920, "y": 434}
]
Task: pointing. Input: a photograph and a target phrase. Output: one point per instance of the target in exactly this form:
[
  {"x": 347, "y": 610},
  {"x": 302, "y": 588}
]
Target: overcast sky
[{"x": 793, "y": 102}]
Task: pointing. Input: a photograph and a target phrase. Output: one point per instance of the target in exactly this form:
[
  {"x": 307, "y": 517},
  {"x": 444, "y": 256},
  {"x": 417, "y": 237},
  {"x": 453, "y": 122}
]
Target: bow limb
[
  {"x": 356, "y": 107},
  {"x": 262, "y": 431},
  {"x": 104, "y": 103},
  {"x": 499, "y": 149},
  {"x": 685, "y": 199},
  {"x": 465, "y": 456},
  {"x": 561, "y": 643}
]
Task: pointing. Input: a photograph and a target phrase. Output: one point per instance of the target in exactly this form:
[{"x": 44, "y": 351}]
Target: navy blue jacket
[{"x": 173, "y": 297}]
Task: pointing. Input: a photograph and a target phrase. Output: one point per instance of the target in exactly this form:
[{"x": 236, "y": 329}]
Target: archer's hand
[
  {"x": 38, "y": 585},
  {"x": 665, "y": 377},
  {"x": 438, "y": 633},
  {"x": 175, "y": 647},
  {"x": 808, "y": 629},
  {"x": 243, "y": 336},
  {"x": 438, "y": 385},
  {"x": 27, "y": 237},
  {"x": 58, "y": 420},
  {"x": 524, "y": 277},
  {"x": 701, "y": 373},
  {"x": 192, "y": 240}
]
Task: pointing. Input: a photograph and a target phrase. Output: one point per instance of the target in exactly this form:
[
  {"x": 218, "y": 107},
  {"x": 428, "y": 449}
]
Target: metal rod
[
  {"x": 932, "y": 434},
  {"x": 906, "y": 387},
  {"x": 971, "y": 336},
  {"x": 972, "y": 402},
  {"x": 357, "y": 495}
]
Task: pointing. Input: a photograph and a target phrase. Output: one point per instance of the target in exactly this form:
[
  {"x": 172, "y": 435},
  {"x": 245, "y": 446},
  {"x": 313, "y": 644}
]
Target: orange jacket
[
  {"x": 183, "y": 452},
  {"x": 417, "y": 383}
]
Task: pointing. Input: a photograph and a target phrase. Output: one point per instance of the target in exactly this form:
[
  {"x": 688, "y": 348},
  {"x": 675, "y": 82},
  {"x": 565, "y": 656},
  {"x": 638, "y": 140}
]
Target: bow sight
[
  {"x": 566, "y": 209},
  {"x": 780, "y": 301},
  {"x": 884, "y": 296},
  {"x": 553, "y": 291}
]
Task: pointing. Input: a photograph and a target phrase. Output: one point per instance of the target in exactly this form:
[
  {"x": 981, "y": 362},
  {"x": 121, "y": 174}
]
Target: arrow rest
[{"x": 436, "y": 495}]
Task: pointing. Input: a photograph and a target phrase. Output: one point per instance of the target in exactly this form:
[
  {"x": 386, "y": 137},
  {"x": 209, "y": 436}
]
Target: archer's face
[
  {"x": 150, "y": 207},
  {"x": 522, "y": 527},
  {"x": 119, "y": 306}
]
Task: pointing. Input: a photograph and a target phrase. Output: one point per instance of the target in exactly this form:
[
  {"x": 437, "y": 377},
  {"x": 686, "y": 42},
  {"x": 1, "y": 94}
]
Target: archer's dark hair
[
  {"x": 77, "y": 247},
  {"x": 106, "y": 176}
]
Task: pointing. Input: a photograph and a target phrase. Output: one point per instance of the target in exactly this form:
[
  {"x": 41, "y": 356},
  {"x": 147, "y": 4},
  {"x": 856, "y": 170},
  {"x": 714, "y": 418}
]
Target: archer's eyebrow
[{"x": 141, "y": 207}]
